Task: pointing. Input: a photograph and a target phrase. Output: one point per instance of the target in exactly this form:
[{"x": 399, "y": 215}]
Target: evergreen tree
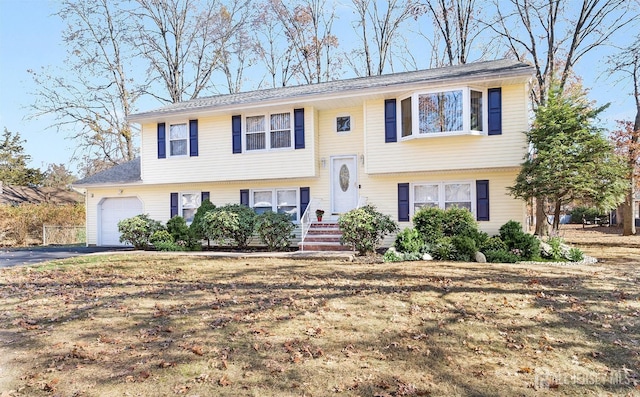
[
  {"x": 572, "y": 159},
  {"x": 13, "y": 162}
]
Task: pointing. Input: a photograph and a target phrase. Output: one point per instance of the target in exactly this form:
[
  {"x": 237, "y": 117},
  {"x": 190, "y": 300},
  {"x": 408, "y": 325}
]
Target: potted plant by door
[{"x": 319, "y": 214}]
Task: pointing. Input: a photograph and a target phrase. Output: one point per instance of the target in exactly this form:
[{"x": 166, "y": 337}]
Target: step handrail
[{"x": 306, "y": 219}]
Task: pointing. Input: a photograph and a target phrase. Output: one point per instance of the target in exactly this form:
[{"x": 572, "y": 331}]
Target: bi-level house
[{"x": 439, "y": 137}]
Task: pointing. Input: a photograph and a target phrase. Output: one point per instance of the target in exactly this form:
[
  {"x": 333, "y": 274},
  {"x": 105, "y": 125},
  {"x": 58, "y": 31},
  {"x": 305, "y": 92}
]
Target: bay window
[
  {"x": 266, "y": 132},
  {"x": 456, "y": 111}
]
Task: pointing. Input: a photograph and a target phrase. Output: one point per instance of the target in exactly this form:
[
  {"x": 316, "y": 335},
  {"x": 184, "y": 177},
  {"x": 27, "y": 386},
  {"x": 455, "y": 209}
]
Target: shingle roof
[
  {"x": 489, "y": 69},
  {"x": 128, "y": 172}
]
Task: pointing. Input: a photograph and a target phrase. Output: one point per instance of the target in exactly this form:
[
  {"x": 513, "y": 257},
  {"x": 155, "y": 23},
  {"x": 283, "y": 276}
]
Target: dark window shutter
[
  {"x": 244, "y": 197},
  {"x": 174, "y": 204},
  {"x": 390, "y": 128},
  {"x": 403, "y": 202},
  {"x": 482, "y": 200},
  {"x": 193, "y": 138},
  {"x": 204, "y": 196},
  {"x": 304, "y": 199},
  {"x": 494, "y": 101},
  {"x": 162, "y": 143},
  {"x": 236, "y": 133},
  {"x": 298, "y": 127}
]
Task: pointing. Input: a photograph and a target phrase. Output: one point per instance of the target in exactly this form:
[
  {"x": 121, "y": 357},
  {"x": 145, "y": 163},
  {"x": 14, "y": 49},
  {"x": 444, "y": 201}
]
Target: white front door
[{"x": 344, "y": 184}]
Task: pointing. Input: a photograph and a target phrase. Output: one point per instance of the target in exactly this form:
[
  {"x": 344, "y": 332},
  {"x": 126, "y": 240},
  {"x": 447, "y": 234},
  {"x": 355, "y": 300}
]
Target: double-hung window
[
  {"x": 283, "y": 201},
  {"x": 438, "y": 113},
  {"x": 443, "y": 195},
  {"x": 265, "y": 132},
  {"x": 189, "y": 203},
  {"x": 178, "y": 139}
]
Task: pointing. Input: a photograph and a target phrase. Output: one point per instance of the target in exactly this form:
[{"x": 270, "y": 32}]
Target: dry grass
[{"x": 165, "y": 326}]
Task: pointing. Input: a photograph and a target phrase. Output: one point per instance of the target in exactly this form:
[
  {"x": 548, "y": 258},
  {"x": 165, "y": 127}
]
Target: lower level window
[
  {"x": 189, "y": 203},
  {"x": 284, "y": 201},
  {"x": 443, "y": 195}
]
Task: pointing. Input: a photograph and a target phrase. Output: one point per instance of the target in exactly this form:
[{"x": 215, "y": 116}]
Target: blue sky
[{"x": 30, "y": 38}]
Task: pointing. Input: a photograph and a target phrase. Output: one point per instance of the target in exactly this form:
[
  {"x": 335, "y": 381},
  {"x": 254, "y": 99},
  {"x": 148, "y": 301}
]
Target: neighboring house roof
[
  {"x": 15, "y": 195},
  {"x": 500, "y": 69},
  {"x": 124, "y": 173}
]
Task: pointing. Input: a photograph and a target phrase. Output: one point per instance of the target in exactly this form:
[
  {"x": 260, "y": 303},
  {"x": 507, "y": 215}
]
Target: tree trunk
[
  {"x": 628, "y": 221},
  {"x": 542, "y": 228},
  {"x": 556, "y": 217}
]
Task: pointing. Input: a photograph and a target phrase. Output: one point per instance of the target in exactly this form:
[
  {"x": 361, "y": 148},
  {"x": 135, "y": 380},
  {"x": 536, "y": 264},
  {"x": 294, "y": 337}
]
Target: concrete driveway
[{"x": 31, "y": 255}]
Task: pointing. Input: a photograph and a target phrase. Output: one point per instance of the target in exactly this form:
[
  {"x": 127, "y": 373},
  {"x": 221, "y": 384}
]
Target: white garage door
[{"x": 112, "y": 211}]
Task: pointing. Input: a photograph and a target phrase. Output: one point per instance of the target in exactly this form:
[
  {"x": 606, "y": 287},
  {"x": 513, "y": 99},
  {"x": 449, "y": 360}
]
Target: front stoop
[{"x": 323, "y": 236}]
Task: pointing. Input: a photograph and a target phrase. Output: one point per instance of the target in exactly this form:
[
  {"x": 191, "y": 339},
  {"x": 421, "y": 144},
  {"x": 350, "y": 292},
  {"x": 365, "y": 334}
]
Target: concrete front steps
[{"x": 323, "y": 236}]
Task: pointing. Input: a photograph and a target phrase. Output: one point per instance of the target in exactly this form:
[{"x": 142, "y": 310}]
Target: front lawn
[{"x": 129, "y": 325}]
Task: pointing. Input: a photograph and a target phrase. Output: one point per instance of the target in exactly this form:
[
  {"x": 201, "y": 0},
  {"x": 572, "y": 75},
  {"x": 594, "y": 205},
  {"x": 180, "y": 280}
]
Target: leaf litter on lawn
[{"x": 179, "y": 325}]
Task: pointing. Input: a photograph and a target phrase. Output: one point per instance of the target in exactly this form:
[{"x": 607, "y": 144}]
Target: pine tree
[
  {"x": 13, "y": 162},
  {"x": 573, "y": 161}
]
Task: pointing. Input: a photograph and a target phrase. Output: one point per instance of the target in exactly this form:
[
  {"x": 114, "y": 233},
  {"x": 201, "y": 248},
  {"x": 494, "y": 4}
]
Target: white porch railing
[{"x": 307, "y": 219}]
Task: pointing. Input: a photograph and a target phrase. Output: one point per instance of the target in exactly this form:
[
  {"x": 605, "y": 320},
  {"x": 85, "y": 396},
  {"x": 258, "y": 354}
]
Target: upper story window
[
  {"x": 178, "y": 139},
  {"x": 440, "y": 113},
  {"x": 271, "y": 131}
]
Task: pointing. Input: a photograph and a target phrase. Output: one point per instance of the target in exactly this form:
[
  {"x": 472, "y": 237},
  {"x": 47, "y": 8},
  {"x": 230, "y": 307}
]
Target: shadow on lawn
[{"x": 283, "y": 326}]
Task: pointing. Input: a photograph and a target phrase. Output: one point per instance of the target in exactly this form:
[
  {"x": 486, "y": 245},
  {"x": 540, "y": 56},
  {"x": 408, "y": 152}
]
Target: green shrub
[
  {"x": 556, "y": 248},
  {"x": 493, "y": 244},
  {"x": 575, "y": 255},
  {"x": 465, "y": 248},
  {"x": 391, "y": 255},
  {"x": 219, "y": 225},
  {"x": 525, "y": 245},
  {"x": 168, "y": 246},
  {"x": 196, "y": 225},
  {"x": 500, "y": 256},
  {"x": 275, "y": 230},
  {"x": 429, "y": 222},
  {"x": 182, "y": 235},
  {"x": 159, "y": 237},
  {"x": 364, "y": 228},
  {"x": 410, "y": 240},
  {"x": 443, "y": 249},
  {"x": 232, "y": 223},
  {"x": 459, "y": 222},
  {"x": 138, "y": 230}
]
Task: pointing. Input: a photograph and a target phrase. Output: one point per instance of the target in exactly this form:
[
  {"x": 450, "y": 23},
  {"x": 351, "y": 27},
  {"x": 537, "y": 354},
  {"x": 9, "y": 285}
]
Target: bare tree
[
  {"x": 94, "y": 100},
  {"x": 554, "y": 35},
  {"x": 379, "y": 28},
  {"x": 180, "y": 41},
  {"x": 308, "y": 29},
  {"x": 457, "y": 24},
  {"x": 238, "y": 50},
  {"x": 626, "y": 65},
  {"x": 275, "y": 52}
]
